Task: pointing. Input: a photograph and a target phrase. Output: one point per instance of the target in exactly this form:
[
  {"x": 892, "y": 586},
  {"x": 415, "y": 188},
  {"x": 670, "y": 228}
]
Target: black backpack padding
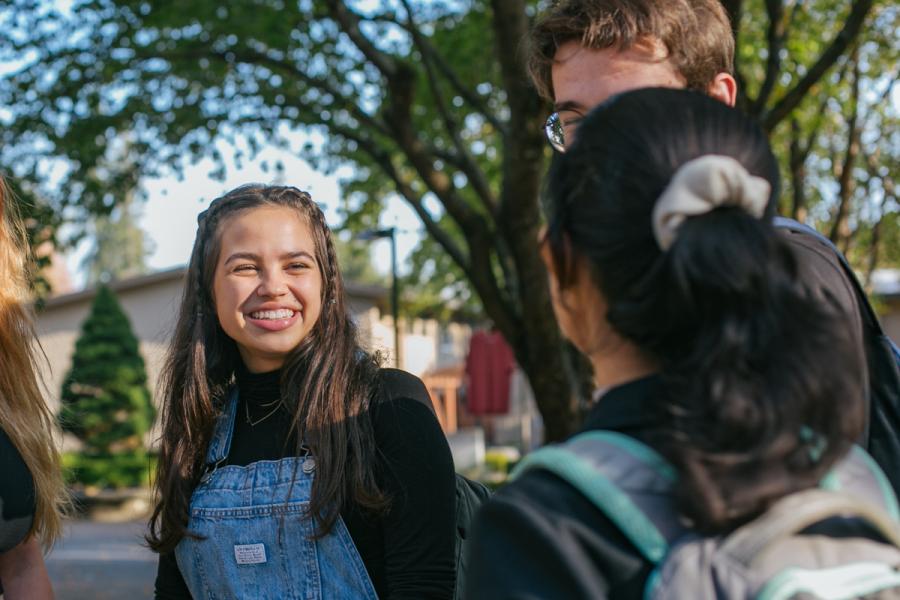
[
  {"x": 470, "y": 495},
  {"x": 882, "y": 437}
]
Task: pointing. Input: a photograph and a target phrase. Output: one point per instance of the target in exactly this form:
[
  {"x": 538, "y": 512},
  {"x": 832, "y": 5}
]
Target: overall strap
[
  {"x": 220, "y": 444},
  {"x": 624, "y": 478}
]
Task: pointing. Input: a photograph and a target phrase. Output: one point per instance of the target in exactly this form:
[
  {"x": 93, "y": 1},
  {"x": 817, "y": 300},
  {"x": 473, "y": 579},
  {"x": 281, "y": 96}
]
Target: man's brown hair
[{"x": 696, "y": 34}]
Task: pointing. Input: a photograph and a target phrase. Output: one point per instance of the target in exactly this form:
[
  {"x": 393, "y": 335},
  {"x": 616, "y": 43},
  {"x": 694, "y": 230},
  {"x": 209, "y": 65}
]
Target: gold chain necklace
[{"x": 251, "y": 422}]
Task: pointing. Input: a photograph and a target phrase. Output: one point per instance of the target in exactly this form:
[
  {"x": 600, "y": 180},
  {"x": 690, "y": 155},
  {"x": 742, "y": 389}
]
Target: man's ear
[{"x": 723, "y": 88}]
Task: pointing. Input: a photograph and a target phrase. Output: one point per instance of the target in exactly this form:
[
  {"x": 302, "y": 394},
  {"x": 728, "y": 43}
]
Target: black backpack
[
  {"x": 882, "y": 437},
  {"x": 470, "y": 495}
]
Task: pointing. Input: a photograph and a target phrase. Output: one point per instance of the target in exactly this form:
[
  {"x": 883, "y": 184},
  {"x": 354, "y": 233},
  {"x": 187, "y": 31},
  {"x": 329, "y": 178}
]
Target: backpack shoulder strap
[
  {"x": 625, "y": 479},
  {"x": 859, "y": 476},
  {"x": 868, "y": 313}
]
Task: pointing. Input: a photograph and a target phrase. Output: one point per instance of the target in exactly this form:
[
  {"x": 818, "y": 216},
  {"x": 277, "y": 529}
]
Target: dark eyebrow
[
  {"x": 299, "y": 254},
  {"x": 255, "y": 257},
  {"x": 240, "y": 255},
  {"x": 569, "y": 105}
]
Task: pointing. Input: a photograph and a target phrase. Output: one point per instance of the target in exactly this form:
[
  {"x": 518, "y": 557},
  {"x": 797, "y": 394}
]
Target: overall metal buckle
[{"x": 210, "y": 470}]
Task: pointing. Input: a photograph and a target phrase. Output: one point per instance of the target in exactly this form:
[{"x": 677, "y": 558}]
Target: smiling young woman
[{"x": 291, "y": 465}]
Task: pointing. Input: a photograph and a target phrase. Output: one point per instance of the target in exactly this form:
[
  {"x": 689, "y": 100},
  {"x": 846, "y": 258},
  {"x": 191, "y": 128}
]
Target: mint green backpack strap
[
  {"x": 627, "y": 480},
  {"x": 857, "y": 474}
]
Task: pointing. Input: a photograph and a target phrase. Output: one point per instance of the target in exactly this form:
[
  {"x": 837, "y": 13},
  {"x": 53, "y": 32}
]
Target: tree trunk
[{"x": 537, "y": 341}]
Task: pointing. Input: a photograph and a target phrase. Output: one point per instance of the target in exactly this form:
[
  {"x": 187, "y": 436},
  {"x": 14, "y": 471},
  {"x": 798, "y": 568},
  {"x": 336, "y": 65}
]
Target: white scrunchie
[{"x": 702, "y": 184}]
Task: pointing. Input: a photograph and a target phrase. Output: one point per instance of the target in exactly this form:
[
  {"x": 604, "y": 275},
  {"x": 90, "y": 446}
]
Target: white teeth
[{"x": 283, "y": 313}]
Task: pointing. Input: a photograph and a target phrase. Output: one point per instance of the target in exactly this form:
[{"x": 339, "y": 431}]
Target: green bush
[
  {"x": 500, "y": 461},
  {"x": 105, "y": 400},
  {"x": 111, "y": 471}
]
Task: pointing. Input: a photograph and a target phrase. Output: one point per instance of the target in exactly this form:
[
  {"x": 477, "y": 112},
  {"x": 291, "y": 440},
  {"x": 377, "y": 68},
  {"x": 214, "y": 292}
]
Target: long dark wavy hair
[
  {"x": 763, "y": 381},
  {"x": 327, "y": 380}
]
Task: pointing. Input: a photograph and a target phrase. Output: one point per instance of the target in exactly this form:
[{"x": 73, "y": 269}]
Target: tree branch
[
  {"x": 889, "y": 194},
  {"x": 888, "y": 187},
  {"x": 255, "y": 57},
  {"x": 466, "y": 94},
  {"x": 799, "y": 151},
  {"x": 446, "y": 155},
  {"x": 776, "y": 34},
  {"x": 887, "y": 90},
  {"x": 797, "y": 163},
  {"x": 820, "y": 113},
  {"x": 427, "y": 48},
  {"x": 401, "y": 87},
  {"x": 852, "y": 26},
  {"x": 478, "y": 235},
  {"x": 478, "y": 266},
  {"x": 511, "y": 26},
  {"x": 474, "y": 174},
  {"x": 840, "y": 228},
  {"x": 349, "y": 23},
  {"x": 523, "y": 148},
  {"x": 383, "y": 160}
]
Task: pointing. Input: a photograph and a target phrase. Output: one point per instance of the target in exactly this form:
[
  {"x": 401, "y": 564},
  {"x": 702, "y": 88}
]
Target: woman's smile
[{"x": 273, "y": 319}]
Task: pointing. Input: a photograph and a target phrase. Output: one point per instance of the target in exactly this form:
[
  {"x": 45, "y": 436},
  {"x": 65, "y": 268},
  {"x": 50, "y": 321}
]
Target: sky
[{"x": 169, "y": 215}]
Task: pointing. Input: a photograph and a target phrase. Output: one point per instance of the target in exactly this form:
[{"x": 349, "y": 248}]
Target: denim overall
[{"x": 258, "y": 546}]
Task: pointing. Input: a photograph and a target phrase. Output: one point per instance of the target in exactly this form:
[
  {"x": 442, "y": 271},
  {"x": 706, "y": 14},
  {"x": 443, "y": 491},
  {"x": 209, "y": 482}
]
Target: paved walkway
[{"x": 100, "y": 561}]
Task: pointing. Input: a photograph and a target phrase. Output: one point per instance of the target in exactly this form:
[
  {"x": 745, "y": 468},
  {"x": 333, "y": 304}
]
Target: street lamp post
[{"x": 390, "y": 232}]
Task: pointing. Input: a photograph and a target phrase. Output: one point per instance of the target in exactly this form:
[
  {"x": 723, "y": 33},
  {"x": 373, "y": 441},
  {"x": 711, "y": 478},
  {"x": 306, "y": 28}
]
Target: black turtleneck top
[{"x": 408, "y": 552}]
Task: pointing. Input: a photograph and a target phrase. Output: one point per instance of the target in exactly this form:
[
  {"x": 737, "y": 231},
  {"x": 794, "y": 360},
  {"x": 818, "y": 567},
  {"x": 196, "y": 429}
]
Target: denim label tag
[{"x": 250, "y": 554}]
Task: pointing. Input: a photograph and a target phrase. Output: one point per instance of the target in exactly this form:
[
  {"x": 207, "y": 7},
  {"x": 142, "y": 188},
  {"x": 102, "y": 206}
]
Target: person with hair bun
[
  {"x": 291, "y": 465},
  {"x": 33, "y": 497},
  {"x": 667, "y": 272},
  {"x": 581, "y": 52}
]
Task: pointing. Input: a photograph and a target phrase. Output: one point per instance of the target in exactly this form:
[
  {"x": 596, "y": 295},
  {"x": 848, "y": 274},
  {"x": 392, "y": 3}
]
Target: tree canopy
[{"x": 428, "y": 101}]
